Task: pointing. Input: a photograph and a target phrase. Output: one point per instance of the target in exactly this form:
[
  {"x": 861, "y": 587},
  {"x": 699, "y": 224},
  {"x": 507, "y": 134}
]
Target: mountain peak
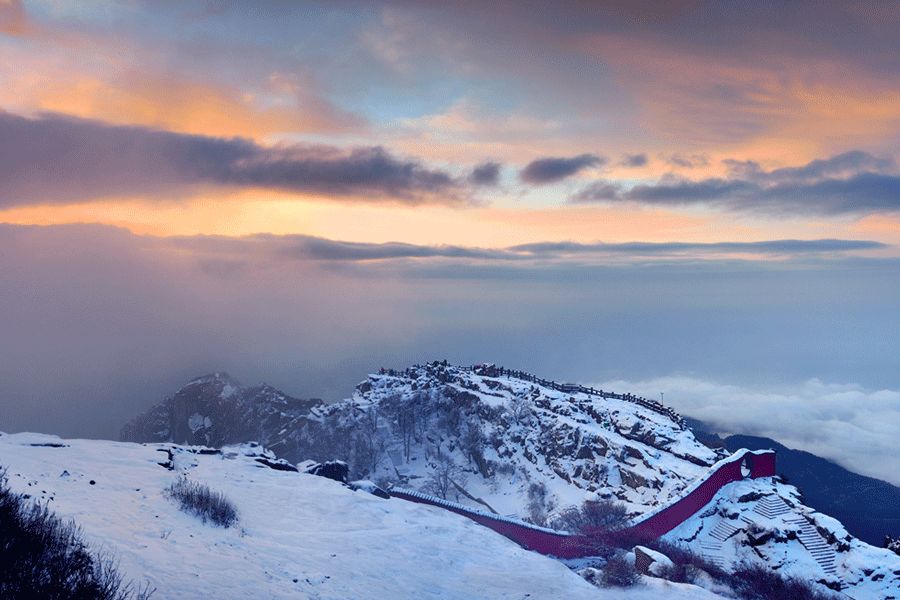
[
  {"x": 217, "y": 378},
  {"x": 215, "y": 409}
]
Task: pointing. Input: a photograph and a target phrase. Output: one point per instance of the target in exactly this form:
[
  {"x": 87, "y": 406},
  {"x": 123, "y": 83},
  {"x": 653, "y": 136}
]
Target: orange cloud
[
  {"x": 13, "y": 21},
  {"x": 97, "y": 76},
  {"x": 168, "y": 102},
  {"x": 736, "y": 106}
]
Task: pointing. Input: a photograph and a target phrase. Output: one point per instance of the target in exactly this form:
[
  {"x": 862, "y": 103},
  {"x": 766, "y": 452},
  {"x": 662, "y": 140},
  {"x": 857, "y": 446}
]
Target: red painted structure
[{"x": 645, "y": 528}]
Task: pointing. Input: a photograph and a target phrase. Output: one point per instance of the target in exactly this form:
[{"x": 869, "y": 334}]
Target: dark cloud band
[
  {"x": 57, "y": 159},
  {"x": 553, "y": 169},
  {"x": 850, "y": 183},
  {"x": 486, "y": 174},
  {"x": 634, "y": 160}
]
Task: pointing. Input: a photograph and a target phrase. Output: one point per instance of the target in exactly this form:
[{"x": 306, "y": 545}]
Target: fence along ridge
[{"x": 647, "y": 403}]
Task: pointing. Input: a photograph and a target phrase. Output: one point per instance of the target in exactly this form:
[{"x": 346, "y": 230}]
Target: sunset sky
[{"x": 300, "y": 192}]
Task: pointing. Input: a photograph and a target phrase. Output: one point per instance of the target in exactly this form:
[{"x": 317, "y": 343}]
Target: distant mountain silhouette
[{"x": 869, "y": 508}]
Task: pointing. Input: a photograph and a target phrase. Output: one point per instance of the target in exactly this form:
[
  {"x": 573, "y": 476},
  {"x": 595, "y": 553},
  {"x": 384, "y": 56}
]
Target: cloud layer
[
  {"x": 56, "y": 159},
  {"x": 303, "y": 247},
  {"x": 851, "y": 183},
  {"x": 847, "y": 423}
]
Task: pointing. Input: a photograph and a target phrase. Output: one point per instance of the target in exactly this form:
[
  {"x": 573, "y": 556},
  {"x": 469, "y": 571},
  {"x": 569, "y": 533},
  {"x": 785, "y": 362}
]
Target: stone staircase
[
  {"x": 818, "y": 548},
  {"x": 711, "y": 545},
  {"x": 773, "y": 506}
]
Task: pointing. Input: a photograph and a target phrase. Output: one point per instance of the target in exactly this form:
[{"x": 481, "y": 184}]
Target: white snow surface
[{"x": 298, "y": 536}]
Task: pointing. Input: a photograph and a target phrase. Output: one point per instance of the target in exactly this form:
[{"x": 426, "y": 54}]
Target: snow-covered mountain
[
  {"x": 519, "y": 446},
  {"x": 297, "y": 535},
  {"x": 215, "y": 409},
  {"x": 505, "y": 436}
]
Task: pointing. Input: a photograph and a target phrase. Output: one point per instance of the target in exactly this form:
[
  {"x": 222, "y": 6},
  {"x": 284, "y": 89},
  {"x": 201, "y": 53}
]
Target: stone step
[
  {"x": 716, "y": 560},
  {"x": 771, "y": 507},
  {"x": 821, "y": 552},
  {"x": 722, "y": 531}
]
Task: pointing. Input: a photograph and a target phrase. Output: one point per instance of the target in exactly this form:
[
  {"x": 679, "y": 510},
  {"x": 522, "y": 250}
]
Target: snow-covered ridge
[
  {"x": 509, "y": 438},
  {"x": 496, "y": 371}
]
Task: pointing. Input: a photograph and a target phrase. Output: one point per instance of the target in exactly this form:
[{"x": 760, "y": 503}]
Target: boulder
[
  {"x": 332, "y": 469},
  {"x": 650, "y": 562}
]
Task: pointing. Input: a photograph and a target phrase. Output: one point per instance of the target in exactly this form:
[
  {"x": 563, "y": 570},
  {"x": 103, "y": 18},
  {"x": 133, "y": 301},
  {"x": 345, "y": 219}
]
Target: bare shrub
[
  {"x": 42, "y": 556},
  {"x": 540, "y": 503},
  {"x": 520, "y": 410},
  {"x": 686, "y": 564},
  {"x": 198, "y": 499},
  {"x": 619, "y": 572},
  {"x": 593, "y": 517},
  {"x": 756, "y": 582},
  {"x": 504, "y": 468},
  {"x": 595, "y": 520},
  {"x": 445, "y": 477}
]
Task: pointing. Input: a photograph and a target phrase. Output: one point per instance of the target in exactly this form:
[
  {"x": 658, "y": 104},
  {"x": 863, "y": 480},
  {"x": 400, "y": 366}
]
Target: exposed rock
[
  {"x": 332, "y": 469},
  {"x": 632, "y": 479}
]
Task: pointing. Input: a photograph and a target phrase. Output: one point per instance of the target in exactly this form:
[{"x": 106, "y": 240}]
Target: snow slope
[{"x": 298, "y": 536}]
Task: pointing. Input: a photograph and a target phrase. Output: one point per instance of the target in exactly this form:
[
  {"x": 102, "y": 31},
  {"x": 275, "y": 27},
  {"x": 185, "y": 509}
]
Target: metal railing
[{"x": 572, "y": 388}]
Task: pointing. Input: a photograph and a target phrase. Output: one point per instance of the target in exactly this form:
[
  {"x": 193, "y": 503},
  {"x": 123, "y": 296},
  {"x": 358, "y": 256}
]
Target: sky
[{"x": 698, "y": 197}]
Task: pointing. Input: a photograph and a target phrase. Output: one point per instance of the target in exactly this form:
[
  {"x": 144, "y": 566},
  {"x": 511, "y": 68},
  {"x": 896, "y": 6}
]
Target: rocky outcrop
[{"x": 215, "y": 410}]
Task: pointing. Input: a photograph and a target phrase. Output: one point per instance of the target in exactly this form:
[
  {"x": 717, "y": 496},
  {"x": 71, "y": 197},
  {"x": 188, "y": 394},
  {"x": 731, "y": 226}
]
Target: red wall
[{"x": 762, "y": 464}]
